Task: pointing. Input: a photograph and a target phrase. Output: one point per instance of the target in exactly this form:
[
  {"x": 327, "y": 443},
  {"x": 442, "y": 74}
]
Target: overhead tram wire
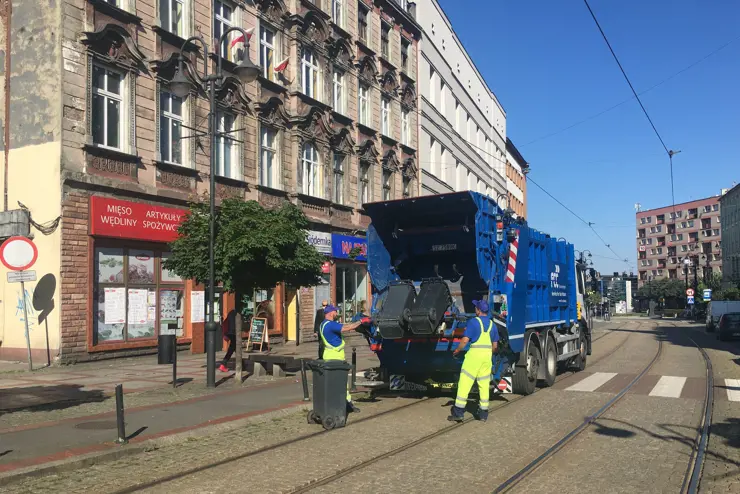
[{"x": 670, "y": 153}]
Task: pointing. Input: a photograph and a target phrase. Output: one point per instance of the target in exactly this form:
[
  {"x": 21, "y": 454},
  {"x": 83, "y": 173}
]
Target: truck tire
[
  {"x": 580, "y": 361},
  {"x": 550, "y": 361},
  {"x": 524, "y": 381}
]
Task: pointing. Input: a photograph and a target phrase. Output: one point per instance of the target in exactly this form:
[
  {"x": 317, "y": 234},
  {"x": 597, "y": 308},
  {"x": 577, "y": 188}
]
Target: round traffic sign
[
  {"x": 18, "y": 253},
  {"x": 690, "y": 292}
]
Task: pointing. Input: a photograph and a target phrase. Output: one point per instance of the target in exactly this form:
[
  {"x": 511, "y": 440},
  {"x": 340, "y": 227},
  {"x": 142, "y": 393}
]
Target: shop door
[{"x": 291, "y": 314}]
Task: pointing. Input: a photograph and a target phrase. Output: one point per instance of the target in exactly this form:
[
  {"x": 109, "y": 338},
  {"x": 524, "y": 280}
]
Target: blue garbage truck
[{"x": 429, "y": 257}]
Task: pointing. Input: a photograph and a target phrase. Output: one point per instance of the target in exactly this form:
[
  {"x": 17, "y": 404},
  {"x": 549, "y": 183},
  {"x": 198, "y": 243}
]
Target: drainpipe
[{"x": 8, "y": 17}]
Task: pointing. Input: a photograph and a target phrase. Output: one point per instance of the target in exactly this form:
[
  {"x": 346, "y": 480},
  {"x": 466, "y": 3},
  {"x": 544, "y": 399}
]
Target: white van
[{"x": 716, "y": 308}]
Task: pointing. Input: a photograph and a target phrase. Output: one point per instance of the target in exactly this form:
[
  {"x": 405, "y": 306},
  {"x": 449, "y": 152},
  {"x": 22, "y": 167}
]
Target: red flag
[
  {"x": 282, "y": 65},
  {"x": 240, "y": 38}
]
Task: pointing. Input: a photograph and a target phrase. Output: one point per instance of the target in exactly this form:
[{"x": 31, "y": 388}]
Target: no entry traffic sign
[{"x": 18, "y": 253}]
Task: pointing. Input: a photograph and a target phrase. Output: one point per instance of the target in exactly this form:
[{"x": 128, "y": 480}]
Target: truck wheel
[
  {"x": 551, "y": 363},
  {"x": 525, "y": 377},
  {"x": 580, "y": 360}
]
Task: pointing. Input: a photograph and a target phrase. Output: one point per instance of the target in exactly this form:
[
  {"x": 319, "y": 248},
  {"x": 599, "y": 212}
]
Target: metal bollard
[
  {"x": 174, "y": 364},
  {"x": 354, "y": 370},
  {"x": 304, "y": 379},
  {"x": 119, "y": 415}
]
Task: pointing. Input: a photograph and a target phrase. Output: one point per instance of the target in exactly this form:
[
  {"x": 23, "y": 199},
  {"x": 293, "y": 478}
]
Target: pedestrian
[
  {"x": 331, "y": 334},
  {"x": 228, "y": 327},
  {"x": 320, "y": 317},
  {"x": 482, "y": 335}
]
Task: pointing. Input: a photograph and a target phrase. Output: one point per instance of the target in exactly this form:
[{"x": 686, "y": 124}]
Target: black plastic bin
[
  {"x": 165, "y": 348},
  {"x": 329, "y": 393}
]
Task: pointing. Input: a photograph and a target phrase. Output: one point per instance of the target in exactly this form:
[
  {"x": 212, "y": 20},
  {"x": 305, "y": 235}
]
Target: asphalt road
[{"x": 636, "y": 412}]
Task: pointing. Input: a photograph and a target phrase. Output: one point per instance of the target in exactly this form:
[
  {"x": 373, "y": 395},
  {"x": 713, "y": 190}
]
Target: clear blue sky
[{"x": 550, "y": 68}]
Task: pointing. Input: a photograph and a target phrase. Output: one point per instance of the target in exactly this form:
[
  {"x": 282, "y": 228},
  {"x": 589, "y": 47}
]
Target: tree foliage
[
  {"x": 662, "y": 289},
  {"x": 255, "y": 248},
  {"x": 593, "y": 298}
]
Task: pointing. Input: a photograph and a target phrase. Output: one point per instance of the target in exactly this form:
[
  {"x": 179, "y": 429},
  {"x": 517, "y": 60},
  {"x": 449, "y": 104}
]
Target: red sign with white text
[{"x": 134, "y": 220}]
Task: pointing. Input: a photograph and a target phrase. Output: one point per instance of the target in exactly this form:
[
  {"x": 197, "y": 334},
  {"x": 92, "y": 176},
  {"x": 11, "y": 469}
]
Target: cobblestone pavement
[{"x": 642, "y": 444}]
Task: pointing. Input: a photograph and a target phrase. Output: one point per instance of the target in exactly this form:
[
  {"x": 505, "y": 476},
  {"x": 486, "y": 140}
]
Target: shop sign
[
  {"x": 325, "y": 268},
  {"x": 342, "y": 247},
  {"x": 321, "y": 241},
  {"x": 134, "y": 220}
]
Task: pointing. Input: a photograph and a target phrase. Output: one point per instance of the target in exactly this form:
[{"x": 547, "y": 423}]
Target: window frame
[
  {"x": 224, "y": 50},
  {"x": 364, "y": 191},
  {"x": 338, "y": 172},
  {"x": 337, "y": 12},
  {"x": 268, "y": 52},
  {"x": 363, "y": 104},
  {"x": 385, "y": 116},
  {"x": 272, "y": 179},
  {"x": 311, "y": 164},
  {"x": 405, "y": 127},
  {"x": 338, "y": 82},
  {"x": 362, "y": 22},
  {"x": 183, "y": 29},
  {"x": 387, "y": 182},
  {"x": 234, "y": 149},
  {"x": 123, "y": 99},
  {"x": 405, "y": 57},
  {"x": 310, "y": 64},
  {"x": 385, "y": 40},
  {"x": 183, "y": 119}
]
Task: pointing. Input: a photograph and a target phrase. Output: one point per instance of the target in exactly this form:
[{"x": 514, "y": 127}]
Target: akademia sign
[{"x": 134, "y": 220}]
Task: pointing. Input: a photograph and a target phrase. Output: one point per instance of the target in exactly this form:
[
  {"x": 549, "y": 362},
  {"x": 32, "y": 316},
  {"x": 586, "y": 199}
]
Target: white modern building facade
[{"x": 462, "y": 140}]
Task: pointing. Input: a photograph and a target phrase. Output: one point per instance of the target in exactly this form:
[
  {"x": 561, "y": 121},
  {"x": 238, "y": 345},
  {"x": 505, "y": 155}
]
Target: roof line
[{"x": 677, "y": 204}]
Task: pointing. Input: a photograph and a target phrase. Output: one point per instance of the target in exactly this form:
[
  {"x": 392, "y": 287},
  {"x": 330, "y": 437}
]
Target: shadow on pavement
[{"x": 48, "y": 397}]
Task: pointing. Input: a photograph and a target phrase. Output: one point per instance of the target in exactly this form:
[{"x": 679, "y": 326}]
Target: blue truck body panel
[{"x": 465, "y": 239}]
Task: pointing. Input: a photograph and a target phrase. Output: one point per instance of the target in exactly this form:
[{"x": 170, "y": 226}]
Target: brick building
[
  {"x": 670, "y": 244},
  {"x": 330, "y": 124}
]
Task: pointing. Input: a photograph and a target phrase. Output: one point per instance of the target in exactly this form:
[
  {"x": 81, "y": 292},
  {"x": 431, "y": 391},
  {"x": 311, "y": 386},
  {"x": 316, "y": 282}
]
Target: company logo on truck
[{"x": 558, "y": 289}]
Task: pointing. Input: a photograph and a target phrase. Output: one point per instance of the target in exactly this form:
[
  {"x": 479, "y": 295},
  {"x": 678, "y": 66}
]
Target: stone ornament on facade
[
  {"x": 389, "y": 82},
  {"x": 273, "y": 10},
  {"x": 231, "y": 96},
  {"x": 273, "y": 113},
  {"x": 368, "y": 69},
  {"x": 113, "y": 44}
]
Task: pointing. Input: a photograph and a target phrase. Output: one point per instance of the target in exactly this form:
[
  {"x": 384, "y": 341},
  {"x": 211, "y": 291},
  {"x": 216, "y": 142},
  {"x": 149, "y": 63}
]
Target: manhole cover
[{"x": 98, "y": 425}]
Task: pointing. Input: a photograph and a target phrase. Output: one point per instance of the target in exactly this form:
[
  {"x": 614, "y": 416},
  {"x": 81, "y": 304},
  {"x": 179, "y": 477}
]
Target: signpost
[
  {"x": 18, "y": 254},
  {"x": 707, "y": 295},
  {"x": 690, "y": 300}
]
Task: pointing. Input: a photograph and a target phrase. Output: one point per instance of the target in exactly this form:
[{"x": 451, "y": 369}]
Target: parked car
[
  {"x": 729, "y": 326},
  {"x": 716, "y": 308}
]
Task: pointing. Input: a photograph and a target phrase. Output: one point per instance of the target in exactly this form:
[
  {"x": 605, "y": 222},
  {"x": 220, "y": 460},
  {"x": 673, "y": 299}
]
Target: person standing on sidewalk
[
  {"x": 483, "y": 337},
  {"x": 228, "y": 326},
  {"x": 330, "y": 333},
  {"x": 320, "y": 316}
]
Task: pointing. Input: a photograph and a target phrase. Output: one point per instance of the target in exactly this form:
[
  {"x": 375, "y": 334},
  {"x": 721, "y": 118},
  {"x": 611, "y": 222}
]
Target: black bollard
[
  {"x": 304, "y": 379},
  {"x": 354, "y": 369},
  {"x": 174, "y": 364},
  {"x": 119, "y": 415}
]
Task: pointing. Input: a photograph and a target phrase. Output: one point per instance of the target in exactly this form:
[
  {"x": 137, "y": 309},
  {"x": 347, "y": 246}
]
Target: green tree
[
  {"x": 255, "y": 248},
  {"x": 662, "y": 289},
  {"x": 593, "y": 298}
]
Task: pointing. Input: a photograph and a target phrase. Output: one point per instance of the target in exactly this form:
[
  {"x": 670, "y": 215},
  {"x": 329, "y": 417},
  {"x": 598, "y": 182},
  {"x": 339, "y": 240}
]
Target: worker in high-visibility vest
[
  {"x": 482, "y": 335},
  {"x": 331, "y": 334}
]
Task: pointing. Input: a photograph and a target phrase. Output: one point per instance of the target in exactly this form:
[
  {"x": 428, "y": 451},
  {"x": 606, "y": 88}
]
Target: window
[
  {"x": 311, "y": 175},
  {"x": 406, "y": 187},
  {"x": 442, "y": 98},
  {"x": 364, "y": 114},
  {"x": 405, "y": 44},
  {"x": 310, "y": 72},
  {"x": 387, "y": 185},
  {"x": 223, "y": 19},
  {"x": 707, "y": 209},
  {"x": 134, "y": 295},
  {"x": 684, "y": 248},
  {"x": 337, "y": 12},
  {"x": 385, "y": 45},
  {"x": 432, "y": 156},
  {"x": 172, "y": 16},
  {"x": 107, "y": 107},
  {"x": 227, "y": 150},
  {"x": 171, "y": 121},
  {"x": 405, "y": 129},
  {"x": 267, "y": 53},
  {"x": 469, "y": 128},
  {"x": 715, "y": 232},
  {"x": 432, "y": 87},
  {"x": 351, "y": 289},
  {"x": 362, "y": 14},
  {"x": 458, "y": 117},
  {"x": 339, "y": 178},
  {"x": 715, "y": 207},
  {"x": 385, "y": 115},
  {"x": 269, "y": 164},
  {"x": 364, "y": 183},
  {"x": 338, "y": 91},
  {"x": 442, "y": 163}
]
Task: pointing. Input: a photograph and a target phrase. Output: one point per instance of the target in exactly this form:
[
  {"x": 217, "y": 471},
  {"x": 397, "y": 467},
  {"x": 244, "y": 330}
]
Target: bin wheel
[
  {"x": 312, "y": 418},
  {"x": 329, "y": 423}
]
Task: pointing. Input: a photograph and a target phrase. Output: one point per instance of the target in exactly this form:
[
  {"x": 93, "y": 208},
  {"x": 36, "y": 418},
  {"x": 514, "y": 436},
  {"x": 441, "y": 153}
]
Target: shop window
[
  {"x": 351, "y": 289},
  {"x": 264, "y": 307},
  {"x": 134, "y": 295}
]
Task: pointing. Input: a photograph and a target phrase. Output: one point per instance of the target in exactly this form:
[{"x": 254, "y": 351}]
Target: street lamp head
[
  {"x": 180, "y": 85},
  {"x": 247, "y": 71}
]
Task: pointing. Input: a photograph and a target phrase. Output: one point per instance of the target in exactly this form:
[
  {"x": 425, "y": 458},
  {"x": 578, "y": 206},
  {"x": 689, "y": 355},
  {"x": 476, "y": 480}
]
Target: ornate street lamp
[{"x": 181, "y": 86}]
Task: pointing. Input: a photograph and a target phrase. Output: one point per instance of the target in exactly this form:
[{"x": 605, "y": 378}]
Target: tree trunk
[{"x": 238, "y": 322}]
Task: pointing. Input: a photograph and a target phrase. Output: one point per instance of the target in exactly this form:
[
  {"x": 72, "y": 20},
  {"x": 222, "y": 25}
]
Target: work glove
[{"x": 366, "y": 321}]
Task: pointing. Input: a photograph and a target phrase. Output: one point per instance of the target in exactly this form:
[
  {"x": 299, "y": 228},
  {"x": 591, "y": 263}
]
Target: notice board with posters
[{"x": 257, "y": 333}]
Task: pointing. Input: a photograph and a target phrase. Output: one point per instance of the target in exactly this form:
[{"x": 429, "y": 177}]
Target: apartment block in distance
[
  {"x": 666, "y": 240},
  {"x": 730, "y": 230}
]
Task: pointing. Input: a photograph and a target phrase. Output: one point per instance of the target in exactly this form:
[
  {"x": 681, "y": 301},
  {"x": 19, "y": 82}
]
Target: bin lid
[{"x": 329, "y": 365}]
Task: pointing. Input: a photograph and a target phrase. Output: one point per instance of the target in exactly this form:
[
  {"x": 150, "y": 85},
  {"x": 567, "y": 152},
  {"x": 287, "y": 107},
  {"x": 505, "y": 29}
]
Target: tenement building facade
[{"x": 108, "y": 149}]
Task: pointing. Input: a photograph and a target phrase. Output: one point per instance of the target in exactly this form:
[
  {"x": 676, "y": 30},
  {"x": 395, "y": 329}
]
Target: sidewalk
[{"x": 65, "y": 412}]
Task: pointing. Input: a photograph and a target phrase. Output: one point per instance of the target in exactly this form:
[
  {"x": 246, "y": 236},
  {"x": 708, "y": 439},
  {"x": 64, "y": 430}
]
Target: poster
[
  {"x": 168, "y": 300},
  {"x": 137, "y": 305},
  {"x": 197, "y": 306},
  {"x": 152, "y": 299},
  {"x": 115, "y": 305},
  {"x": 151, "y": 314}
]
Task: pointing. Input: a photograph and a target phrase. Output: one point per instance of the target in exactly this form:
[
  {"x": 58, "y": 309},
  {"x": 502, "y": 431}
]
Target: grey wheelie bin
[{"x": 329, "y": 393}]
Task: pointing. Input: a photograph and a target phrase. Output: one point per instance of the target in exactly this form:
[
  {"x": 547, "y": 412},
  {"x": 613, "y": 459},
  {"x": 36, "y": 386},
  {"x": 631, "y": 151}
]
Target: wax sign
[
  {"x": 18, "y": 253},
  {"x": 134, "y": 220}
]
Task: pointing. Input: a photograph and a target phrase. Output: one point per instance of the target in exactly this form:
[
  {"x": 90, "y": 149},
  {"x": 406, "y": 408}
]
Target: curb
[{"x": 138, "y": 447}]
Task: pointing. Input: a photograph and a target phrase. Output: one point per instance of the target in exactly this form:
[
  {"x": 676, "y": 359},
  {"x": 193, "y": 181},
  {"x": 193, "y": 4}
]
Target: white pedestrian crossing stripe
[
  {"x": 733, "y": 389},
  {"x": 593, "y": 382},
  {"x": 669, "y": 387}
]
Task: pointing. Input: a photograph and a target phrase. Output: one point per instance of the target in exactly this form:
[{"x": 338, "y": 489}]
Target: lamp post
[{"x": 180, "y": 86}]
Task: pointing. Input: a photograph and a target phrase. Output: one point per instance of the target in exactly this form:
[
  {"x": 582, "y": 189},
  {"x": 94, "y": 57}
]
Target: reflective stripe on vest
[
  {"x": 326, "y": 343},
  {"x": 484, "y": 341}
]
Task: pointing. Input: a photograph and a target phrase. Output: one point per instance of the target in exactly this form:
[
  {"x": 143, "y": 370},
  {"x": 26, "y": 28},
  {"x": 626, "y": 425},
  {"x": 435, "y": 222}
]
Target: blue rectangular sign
[
  {"x": 343, "y": 245},
  {"x": 558, "y": 285}
]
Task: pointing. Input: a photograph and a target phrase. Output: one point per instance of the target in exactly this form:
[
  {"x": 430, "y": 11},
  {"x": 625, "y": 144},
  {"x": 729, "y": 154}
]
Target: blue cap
[
  {"x": 329, "y": 309},
  {"x": 481, "y": 305}
]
